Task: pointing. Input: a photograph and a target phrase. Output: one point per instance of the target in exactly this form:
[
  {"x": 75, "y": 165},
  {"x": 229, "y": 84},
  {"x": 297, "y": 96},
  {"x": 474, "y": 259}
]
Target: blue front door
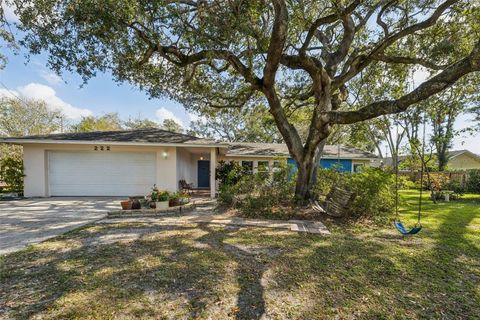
[{"x": 203, "y": 173}]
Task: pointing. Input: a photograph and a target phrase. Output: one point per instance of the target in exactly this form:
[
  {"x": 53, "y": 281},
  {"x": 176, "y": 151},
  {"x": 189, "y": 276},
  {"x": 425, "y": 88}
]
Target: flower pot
[
  {"x": 173, "y": 202},
  {"x": 136, "y": 205},
  {"x": 126, "y": 204},
  {"x": 161, "y": 205}
]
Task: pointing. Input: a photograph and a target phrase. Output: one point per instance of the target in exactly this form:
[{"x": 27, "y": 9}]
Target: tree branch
[
  {"x": 409, "y": 60},
  {"x": 363, "y": 60},
  {"x": 436, "y": 84}
]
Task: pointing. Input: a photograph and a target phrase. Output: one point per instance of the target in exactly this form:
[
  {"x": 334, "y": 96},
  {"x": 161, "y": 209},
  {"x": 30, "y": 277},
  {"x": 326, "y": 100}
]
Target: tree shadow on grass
[{"x": 164, "y": 271}]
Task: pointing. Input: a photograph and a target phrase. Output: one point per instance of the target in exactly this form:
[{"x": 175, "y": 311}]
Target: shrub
[
  {"x": 326, "y": 179},
  {"x": 11, "y": 172},
  {"x": 375, "y": 193},
  {"x": 438, "y": 181},
  {"x": 374, "y": 189},
  {"x": 229, "y": 173},
  {"x": 457, "y": 187},
  {"x": 473, "y": 181},
  {"x": 256, "y": 195},
  {"x": 406, "y": 183}
]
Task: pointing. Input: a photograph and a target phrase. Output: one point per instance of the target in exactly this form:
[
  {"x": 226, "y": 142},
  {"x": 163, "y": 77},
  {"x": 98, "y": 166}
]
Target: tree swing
[{"x": 397, "y": 223}]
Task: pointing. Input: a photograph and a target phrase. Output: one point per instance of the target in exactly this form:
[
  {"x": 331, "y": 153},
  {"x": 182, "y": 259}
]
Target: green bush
[
  {"x": 457, "y": 187},
  {"x": 374, "y": 189},
  {"x": 473, "y": 181},
  {"x": 11, "y": 172},
  {"x": 375, "y": 193},
  {"x": 257, "y": 195},
  {"x": 229, "y": 173}
]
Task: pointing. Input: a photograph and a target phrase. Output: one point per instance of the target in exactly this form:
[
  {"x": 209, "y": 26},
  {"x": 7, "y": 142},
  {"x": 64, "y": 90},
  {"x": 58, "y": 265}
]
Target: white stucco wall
[
  {"x": 185, "y": 166},
  {"x": 36, "y": 164}
]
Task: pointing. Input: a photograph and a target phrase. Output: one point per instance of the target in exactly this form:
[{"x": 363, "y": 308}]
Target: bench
[{"x": 337, "y": 203}]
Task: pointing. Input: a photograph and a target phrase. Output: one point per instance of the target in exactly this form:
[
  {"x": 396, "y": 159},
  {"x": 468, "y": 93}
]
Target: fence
[{"x": 460, "y": 176}]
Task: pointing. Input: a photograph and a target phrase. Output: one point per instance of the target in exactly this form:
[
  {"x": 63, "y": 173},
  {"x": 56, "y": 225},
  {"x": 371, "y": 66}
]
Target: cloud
[
  {"x": 51, "y": 77},
  {"x": 42, "y": 92},
  {"x": 163, "y": 114}
]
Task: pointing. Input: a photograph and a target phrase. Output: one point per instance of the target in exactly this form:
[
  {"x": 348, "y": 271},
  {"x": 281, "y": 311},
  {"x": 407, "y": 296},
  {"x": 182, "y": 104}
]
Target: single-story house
[
  {"x": 459, "y": 160},
  {"x": 463, "y": 160},
  {"x": 122, "y": 163}
]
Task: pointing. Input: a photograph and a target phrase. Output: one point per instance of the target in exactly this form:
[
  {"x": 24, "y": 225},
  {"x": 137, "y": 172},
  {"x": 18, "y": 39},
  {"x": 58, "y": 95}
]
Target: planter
[
  {"x": 184, "y": 200},
  {"x": 126, "y": 204},
  {"x": 173, "y": 202},
  {"x": 136, "y": 205},
  {"x": 161, "y": 205}
]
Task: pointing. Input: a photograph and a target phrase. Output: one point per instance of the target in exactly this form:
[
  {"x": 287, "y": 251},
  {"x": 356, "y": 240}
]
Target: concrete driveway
[{"x": 24, "y": 222}]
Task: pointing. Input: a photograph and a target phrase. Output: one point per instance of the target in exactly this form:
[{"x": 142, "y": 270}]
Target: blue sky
[{"x": 99, "y": 96}]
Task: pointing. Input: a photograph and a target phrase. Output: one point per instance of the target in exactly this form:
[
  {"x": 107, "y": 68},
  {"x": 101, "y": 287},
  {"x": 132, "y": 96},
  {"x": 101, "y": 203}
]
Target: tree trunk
[{"x": 306, "y": 174}]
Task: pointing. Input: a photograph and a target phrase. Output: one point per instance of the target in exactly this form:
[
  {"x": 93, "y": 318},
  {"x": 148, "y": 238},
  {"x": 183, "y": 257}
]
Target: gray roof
[
  {"x": 242, "y": 149},
  {"x": 148, "y": 135},
  {"x": 158, "y": 136}
]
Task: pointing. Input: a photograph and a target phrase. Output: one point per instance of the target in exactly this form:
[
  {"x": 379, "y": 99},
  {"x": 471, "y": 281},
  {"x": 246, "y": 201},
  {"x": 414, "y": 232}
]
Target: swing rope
[{"x": 398, "y": 224}]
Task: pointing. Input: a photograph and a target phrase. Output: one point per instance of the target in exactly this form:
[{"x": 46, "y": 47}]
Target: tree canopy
[{"x": 294, "y": 56}]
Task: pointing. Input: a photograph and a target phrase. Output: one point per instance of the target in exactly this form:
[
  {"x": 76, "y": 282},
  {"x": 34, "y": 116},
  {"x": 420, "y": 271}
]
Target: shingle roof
[
  {"x": 153, "y": 135},
  {"x": 276, "y": 149},
  {"x": 148, "y": 135}
]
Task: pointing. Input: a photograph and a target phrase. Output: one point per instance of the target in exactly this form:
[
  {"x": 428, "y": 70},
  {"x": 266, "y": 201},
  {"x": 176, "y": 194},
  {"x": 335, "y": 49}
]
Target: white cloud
[
  {"x": 163, "y": 114},
  {"x": 47, "y": 94},
  {"x": 51, "y": 77}
]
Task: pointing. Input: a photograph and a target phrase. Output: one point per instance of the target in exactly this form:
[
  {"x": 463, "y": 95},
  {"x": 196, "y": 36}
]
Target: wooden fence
[{"x": 460, "y": 176}]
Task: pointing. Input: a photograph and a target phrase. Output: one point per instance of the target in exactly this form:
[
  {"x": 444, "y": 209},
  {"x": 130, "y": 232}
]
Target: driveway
[{"x": 24, "y": 222}]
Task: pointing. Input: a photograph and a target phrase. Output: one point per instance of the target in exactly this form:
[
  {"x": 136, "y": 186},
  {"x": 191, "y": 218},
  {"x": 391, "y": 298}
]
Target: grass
[{"x": 198, "y": 271}]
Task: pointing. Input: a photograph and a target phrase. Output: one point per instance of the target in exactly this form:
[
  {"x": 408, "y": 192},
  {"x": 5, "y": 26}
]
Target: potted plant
[
  {"x": 174, "y": 199},
  {"x": 161, "y": 201},
  {"x": 126, "y": 204},
  {"x": 183, "y": 198}
]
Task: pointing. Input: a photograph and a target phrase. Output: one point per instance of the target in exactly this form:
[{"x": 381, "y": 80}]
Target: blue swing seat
[{"x": 401, "y": 228}]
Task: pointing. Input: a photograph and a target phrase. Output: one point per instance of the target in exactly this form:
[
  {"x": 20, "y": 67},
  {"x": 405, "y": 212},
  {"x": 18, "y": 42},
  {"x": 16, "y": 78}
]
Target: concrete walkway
[
  {"x": 24, "y": 222},
  {"x": 294, "y": 225}
]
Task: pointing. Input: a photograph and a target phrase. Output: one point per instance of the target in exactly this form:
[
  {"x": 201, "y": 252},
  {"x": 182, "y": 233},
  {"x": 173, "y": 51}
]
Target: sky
[{"x": 32, "y": 78}]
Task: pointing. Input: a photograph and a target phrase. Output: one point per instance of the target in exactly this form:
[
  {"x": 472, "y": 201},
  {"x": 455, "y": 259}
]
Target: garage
[{"x": 100, "y": 173}]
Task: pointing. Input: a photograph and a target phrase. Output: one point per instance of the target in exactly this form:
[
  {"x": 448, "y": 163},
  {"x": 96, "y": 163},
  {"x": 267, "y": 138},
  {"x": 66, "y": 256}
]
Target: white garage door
[{"x": 100, "y": 173}]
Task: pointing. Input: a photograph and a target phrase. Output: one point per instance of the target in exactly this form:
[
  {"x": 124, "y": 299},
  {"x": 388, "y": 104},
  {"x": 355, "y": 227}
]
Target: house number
[{"x": 101, "y": 148}]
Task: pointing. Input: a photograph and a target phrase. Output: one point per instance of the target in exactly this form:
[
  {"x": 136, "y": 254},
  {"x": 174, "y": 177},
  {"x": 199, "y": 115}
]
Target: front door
[{"x": 204, "y": 173}]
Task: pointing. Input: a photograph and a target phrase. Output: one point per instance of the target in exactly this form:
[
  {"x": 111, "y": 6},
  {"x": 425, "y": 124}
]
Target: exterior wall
[
  {"x": 347, "y": 164},
  {"x": 36, "y": 164},
  {"x": 254, "y": 159},
  {"x": 185, "y": 166},
  {"x": 463, "y": 161}
]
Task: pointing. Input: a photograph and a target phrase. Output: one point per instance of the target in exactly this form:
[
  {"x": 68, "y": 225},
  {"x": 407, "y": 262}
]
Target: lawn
[{"x": 199, "y": 271}]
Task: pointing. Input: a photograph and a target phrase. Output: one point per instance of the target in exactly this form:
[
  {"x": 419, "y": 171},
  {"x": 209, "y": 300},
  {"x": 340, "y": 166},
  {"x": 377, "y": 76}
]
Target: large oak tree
[{"x": 292, "y": 55}]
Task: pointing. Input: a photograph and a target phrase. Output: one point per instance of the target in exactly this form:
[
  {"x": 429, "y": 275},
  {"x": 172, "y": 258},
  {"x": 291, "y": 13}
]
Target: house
[
  {"x": 463, "y": 160},
  {"x": 459, "y": 160},
  {"x": 120, "y": 163}
]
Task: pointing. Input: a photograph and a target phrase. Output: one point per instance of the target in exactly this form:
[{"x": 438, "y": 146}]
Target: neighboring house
[
  {"x": 463, "y": 160},
  {"x": 121, "y": 163},
  {"x": 458, "y": 160}
]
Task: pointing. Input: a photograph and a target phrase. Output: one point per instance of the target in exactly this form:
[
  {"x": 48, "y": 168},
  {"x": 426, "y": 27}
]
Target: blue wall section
[{"x": 343, "y": 165}]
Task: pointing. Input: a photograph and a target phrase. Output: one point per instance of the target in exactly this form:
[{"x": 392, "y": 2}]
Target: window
[
  {"x": 263, "y": 166},
  {"x": 248, "y": 166},
  {"x": 276, "y": 166},
  {"x": 357, "y": 167}
]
